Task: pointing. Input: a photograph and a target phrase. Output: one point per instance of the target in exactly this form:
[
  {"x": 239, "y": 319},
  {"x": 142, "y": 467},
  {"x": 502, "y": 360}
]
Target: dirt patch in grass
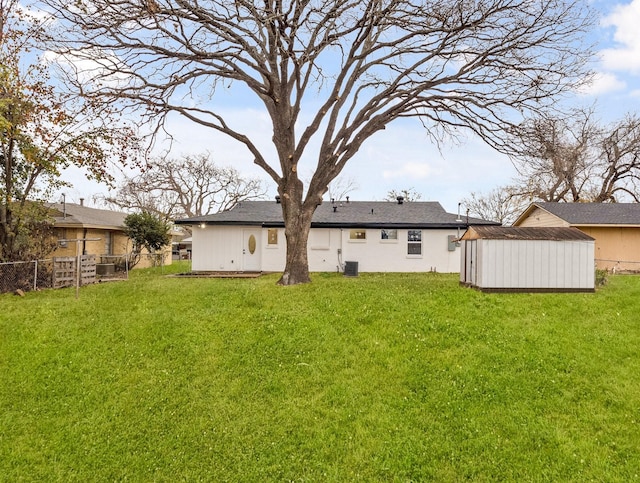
[{"x": 217, "y": 275}]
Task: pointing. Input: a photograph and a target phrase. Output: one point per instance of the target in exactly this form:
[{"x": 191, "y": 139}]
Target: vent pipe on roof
[
  {"x": 81, "y": 201},
  {"x": 347, "y": 199},
  {"x": 400, "y": 199},
  {"x": 277, "y": 199}
]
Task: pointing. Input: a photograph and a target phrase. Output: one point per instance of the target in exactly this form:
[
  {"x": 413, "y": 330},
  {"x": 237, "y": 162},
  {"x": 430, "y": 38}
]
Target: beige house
[
  {"x": 97, "y": 232},
  {"x": 614, "y": 226}
]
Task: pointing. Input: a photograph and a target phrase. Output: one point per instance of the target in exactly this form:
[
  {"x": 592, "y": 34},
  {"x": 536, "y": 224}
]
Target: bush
[{"x": 601, "y": 277}]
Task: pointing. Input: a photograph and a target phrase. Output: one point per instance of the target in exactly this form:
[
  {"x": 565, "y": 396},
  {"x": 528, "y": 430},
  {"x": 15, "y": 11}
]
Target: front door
[{"x": 251, "y": 251}]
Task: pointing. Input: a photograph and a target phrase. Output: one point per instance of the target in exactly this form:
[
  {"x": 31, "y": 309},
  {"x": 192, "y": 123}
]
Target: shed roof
[
  {"x": 429, "y": 214},
  {"x": 525, "y": 233},
  {"x": 589, "y": 213},
  {"x": 74, "y": 215}
]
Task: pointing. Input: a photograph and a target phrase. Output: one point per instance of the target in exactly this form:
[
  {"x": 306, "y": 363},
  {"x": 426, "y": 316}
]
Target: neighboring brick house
[
  {"x": 104, "y": 228},
  {"x": 614, "y": 226}
]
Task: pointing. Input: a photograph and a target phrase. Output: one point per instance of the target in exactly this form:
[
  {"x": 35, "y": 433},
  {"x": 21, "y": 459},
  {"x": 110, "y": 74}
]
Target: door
[{"x": 251, "y": 251}]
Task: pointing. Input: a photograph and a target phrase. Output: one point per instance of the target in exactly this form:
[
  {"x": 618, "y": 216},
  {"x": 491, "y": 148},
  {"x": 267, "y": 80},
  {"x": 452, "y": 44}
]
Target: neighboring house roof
[
  {"x": 72, "y": 215},
  {"x": 524, "y": 233},
  {"x": 585, "y": 214},
  {"x": 359, "y": 214}
]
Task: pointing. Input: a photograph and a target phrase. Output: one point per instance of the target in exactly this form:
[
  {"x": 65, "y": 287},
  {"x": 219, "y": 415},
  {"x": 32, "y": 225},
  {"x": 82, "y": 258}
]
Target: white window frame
[
  {"x": 414, "y": 242},
  {"x": 352, "y": 231},
  {"x": 388, "y": 240},
  {"x": 277, "y": 232},
  {"x": 319, "y": 239}
]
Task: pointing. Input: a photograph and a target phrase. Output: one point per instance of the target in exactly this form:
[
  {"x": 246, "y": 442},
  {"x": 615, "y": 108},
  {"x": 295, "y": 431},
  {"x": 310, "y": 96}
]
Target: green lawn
[{"x": 396, "y": 377}]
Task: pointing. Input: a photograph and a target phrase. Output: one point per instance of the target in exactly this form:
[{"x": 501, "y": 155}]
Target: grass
[{"x": 383, "y": 377}]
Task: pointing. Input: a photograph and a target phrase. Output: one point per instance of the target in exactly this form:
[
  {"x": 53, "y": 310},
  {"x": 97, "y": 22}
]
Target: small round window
[{"x": 252, "y": 244}]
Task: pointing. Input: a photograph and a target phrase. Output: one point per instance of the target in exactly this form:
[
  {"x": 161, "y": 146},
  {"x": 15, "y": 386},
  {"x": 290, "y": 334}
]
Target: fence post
[{"x": 35, "y": 275}]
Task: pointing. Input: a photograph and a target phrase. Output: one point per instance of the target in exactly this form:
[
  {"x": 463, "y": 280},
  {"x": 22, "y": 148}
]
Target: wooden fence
[{"x": 65, "y": 271}]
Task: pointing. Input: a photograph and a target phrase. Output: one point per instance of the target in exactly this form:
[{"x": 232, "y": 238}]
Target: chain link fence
[
  {"x": 118, "y": 266},
  {"x": 39, "y": 274},
  {"x": 25, "y": 276}
]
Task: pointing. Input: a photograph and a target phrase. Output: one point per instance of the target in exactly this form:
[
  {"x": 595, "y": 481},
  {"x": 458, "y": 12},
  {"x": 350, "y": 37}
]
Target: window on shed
[
  {"x": 414, "y": 242},
  {"x": 358, "y": 234}
]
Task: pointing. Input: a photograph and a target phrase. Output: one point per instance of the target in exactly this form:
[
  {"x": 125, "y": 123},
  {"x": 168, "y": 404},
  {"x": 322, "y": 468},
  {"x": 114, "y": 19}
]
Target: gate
[{"x": 65, "y": 271}]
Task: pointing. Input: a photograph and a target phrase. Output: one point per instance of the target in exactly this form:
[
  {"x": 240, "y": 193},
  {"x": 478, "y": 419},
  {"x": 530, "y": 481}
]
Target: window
[
  {"x": 357, "y": 234},
  {"x": 61, "y": 235},
  {"x": 319, "y": 239},
  {"x": 388, "y": 234},
  {"x": 414, "y": 242},
  {"x": 108, "y": 243},
  {"x": 272, "y": 236}
]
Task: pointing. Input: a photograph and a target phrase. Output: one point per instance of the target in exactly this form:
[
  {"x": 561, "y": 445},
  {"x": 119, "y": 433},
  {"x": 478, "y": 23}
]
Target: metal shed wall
[{"x": 529, "y": 265}]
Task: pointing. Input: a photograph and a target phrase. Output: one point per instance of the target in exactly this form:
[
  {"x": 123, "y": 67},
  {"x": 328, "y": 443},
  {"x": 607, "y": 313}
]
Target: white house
[
  {"x": 531, "y": 259},
  {"x": 372, "y": 236}
]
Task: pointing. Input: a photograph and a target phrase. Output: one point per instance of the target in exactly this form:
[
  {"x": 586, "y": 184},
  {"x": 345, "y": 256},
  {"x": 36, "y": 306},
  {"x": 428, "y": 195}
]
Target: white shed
[{"x": 517, "y": 259}]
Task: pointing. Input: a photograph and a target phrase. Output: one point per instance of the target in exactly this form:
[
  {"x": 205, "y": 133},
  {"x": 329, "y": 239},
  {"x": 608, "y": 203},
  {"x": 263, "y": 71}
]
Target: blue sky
[{"x": 403, "y": 156}]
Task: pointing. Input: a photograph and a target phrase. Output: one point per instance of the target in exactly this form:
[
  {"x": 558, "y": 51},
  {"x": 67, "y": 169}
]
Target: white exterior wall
[
  {"x": 220, "y": 248},
  {"x": 217, "y": 249},
  {"x": 377, "y": 255},
  {"x": 534, "y": 264}
]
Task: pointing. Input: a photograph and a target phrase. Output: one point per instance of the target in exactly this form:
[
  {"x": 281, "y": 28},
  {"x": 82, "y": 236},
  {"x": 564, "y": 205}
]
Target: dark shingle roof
[
  {"x": 79, "y": 215},
  {"x": 594, "y": 213},
  {"x": 524, "y": 233},
  {"x": 363, "y": 214}
]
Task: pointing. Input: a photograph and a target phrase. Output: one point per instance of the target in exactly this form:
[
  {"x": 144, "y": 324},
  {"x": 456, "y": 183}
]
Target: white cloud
[
  {"x": 625, "y": 56},
  {"x": 603, "y": 83},
  {"x": 410, "y": 170},
  {"x": 94, "y": 66}
]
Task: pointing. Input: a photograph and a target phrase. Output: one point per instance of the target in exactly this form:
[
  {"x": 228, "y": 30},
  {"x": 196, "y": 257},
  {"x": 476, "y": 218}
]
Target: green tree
[
  {"x": 43, "y": 131},
  {"x": 146, "y": 231},
  {"x": 329, "y": 74}
]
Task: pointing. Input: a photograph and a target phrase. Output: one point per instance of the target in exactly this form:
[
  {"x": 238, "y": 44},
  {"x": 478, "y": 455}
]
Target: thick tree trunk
[{"x": 297, "y": 226}]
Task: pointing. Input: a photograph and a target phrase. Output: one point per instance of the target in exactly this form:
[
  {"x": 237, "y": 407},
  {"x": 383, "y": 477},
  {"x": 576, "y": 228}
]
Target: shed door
[
  {"x": 251, "y": 251},
  {"x": 472, "y": 267}
]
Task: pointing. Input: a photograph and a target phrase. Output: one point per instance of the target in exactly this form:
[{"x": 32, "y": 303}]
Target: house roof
[
  {"x": 359, "y": 214},
  {"x": 583, "y": 214},
  {"x": 73, "y": 215},
  {"x": 525, "y": 233}
]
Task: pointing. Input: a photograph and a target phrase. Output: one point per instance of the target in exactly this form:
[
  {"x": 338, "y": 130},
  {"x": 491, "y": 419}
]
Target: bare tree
[
  {"x": 340, "y": 187},
  {"x": 552, "y": 155},
  {"x": 618, "y": 163},
  {"x": 503, "y": 204},
  {"x": 408, "y": 194},
  {"x": 335, "y": 71},
  {"x": 578, "y": 159},
  {"x": 186, "y": 187}
]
